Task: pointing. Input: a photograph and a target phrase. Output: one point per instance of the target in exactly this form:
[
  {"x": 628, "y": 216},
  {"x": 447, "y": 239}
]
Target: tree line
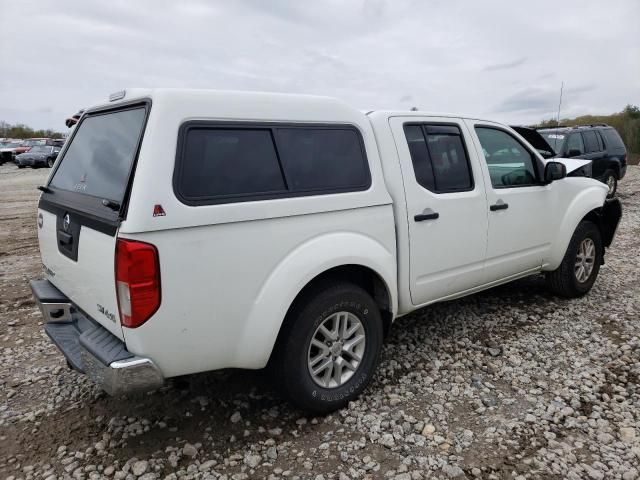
[
  {"x": 19, "y": 130},
  {"x": 626, "y": 122}
]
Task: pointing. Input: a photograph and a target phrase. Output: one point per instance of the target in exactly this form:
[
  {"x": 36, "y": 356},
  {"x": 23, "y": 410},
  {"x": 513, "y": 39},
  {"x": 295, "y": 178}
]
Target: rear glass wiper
[{"x": 111, "y": 204}]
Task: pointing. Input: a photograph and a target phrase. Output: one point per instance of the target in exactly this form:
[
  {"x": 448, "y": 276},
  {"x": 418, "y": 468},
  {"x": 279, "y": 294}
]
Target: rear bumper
[{"x": 90, "y": 348}]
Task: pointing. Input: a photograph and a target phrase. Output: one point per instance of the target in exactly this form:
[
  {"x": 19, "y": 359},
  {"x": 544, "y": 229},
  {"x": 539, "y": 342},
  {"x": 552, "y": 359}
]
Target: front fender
[
  {"x": 295, "y": 271},
  {"x": 587, "y": 199}
]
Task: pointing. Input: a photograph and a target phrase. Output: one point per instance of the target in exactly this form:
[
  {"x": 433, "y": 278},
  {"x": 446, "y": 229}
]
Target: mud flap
[{"x": 610, "y": 216}]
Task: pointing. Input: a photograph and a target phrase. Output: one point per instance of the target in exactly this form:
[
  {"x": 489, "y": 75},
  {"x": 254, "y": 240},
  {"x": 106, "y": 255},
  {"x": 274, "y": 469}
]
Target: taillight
[{"x": 137, "y": 281}]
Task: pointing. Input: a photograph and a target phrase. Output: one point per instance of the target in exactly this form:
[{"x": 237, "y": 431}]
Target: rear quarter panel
[
  {"x": 226, "y": 288},
  {"x": 229, "y": 272}
]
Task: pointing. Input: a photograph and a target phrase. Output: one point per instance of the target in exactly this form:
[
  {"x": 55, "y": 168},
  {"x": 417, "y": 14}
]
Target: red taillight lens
[{"x": 137, "y": 281}]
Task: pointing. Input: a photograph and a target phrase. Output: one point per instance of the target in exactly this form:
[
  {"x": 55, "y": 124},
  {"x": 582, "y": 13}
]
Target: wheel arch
[
  {"x": 587, "y": 205},
  {"x": 353, "y": 257},
  {"x": 616, "y": 165}
]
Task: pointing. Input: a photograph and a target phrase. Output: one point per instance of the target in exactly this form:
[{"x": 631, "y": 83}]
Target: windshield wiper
[
  {"x": 111, "y": 204},
  {"x": 45, "y": 189}
]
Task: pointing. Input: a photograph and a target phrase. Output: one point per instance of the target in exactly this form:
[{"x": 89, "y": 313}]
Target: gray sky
[{"x": 498, "y": 59}]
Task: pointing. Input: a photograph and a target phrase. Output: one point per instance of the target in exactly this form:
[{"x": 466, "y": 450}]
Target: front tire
[
  {"x": 329, "y": 346},
  {"x": 581, "y": 263},
  {"x": 611, "y": 181}
]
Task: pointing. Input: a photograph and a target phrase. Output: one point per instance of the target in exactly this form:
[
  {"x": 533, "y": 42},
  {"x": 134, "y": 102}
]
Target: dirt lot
[{"x": 510, "y": 383}]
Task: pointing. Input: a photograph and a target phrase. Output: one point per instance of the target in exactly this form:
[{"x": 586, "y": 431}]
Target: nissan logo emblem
[{"x": 66, "y": 222}]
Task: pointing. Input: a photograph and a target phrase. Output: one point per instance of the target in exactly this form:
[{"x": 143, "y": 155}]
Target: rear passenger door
[
  {"x": 594, "y": 147},
  {"x": 446, "y": 206},
  {"x": 575, "y": 146}
]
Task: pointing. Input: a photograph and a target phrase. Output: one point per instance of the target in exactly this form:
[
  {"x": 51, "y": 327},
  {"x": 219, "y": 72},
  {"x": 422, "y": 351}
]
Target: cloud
[
  {"x": 542, "y": 100},
  {"x": 505, "y": 66},
  {"x": 374, "y": 54}
]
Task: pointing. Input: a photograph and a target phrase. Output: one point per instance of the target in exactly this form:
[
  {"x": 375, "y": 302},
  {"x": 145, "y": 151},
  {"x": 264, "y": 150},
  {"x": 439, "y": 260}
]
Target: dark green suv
[{"x": 599, "y": 143}]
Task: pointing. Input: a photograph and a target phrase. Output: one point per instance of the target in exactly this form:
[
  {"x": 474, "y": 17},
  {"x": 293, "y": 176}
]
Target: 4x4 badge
[{"x": 66, "y": 222}]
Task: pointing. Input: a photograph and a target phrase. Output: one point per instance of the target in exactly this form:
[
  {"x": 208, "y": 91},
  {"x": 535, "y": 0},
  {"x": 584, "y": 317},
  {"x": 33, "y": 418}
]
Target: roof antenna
[
  {"x": 555, "y": 140},
  {"x": 559, "y": 104}
]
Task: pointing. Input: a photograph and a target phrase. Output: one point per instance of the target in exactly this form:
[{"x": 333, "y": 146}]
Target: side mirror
[
  {"x": 574, "y": 152},
  {"x": 554, "y": 171}
]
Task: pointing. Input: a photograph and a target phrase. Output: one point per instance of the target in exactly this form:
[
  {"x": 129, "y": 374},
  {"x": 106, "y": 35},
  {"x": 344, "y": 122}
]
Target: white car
[{"x": 184, "y": 231}]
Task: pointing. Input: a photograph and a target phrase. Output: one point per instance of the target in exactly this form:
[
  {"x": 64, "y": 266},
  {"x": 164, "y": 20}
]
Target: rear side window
[
  {"x": 229, "y": 163},
  {"x": 612, "y": 139},
  {"x": 576, "y": 144},
  {"x": 320, "y": 159},
  {"x": 100, "y": 155},
  {"x": 440, "y": 161},
  {"x": 221, "y": 164},
  {"x": 591, "y": 141}
]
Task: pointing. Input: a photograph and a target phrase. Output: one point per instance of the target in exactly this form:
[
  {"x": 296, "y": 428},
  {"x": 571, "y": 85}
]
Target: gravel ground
[{"x": 509, "y": 383}]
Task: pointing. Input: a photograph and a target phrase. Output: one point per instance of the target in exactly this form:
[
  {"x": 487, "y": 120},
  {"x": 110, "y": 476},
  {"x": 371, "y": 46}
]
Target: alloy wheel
[
  {"x": 336, "y": 350},
  {"x": 585, "y": 260}
]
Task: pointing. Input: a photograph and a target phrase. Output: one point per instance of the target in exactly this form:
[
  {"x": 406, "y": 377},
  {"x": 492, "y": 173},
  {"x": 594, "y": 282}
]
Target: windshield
[
  {"x": 554, "y": 139},
  {"x": 99, "y": 158},
  {"x": 40, "y": 149},
  {"x": 32, "y": 142}
]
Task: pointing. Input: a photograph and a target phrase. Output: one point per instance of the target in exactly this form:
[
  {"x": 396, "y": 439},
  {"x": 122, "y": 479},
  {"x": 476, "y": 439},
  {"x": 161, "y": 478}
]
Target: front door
[
  {"x": 446, "y": 206},
  {"x": 519, "y": 205}
]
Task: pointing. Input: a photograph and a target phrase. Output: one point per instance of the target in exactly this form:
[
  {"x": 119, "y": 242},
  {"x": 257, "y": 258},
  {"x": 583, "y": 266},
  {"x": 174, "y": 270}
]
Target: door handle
[
  {"x": 65, "y": 238},
  {"x": 427, "y": 214},
  {"x": 499, "y": 205}
]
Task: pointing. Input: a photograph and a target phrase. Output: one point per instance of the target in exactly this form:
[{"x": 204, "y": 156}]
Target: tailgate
[
  {"x": 80, "y": 263},
  {"x": 83, "y": 204}
]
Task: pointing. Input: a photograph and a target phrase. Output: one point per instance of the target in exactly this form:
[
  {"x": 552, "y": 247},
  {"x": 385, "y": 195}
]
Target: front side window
[
  {"x": 575, "y": 145},
  {"x": 440, "y": 161},
  {"x": 510, "y": 164}
]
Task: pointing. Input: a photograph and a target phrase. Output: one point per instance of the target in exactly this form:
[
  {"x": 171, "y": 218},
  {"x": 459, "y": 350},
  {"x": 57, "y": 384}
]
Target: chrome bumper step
[{"x": 92, "y": 349}]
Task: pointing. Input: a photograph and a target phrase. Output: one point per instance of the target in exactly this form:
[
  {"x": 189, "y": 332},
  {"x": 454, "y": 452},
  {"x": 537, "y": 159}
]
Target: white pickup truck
[{"x": 184, "y": 231}]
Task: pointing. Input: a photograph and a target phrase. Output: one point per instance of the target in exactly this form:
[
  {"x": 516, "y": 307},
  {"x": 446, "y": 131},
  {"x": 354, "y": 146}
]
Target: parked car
[
  {"x": 547, "y": 152},
  {"x": 38, "y": 156},
  {"x": 184, "y": 231},
  {"x": 599, "y": 143},
  {"x": 9, "y": 150},
  {"x": 56, "y": 142}
]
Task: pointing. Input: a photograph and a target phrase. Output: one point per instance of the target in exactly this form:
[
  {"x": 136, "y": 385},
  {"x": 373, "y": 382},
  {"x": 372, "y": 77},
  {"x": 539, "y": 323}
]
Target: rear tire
[
  {"x": 610, "y": 179},
  {"x": 581, "y": 263},
  {"x": 349, "y": 361}
]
